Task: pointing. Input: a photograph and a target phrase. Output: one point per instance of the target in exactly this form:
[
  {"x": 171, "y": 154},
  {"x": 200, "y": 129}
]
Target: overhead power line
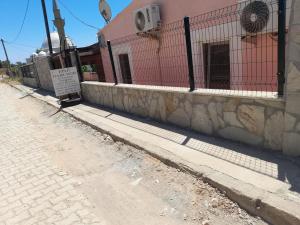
[
  {"x": 22, "y": 25},
  {"x": 77, "y": 18},
  {"x": 22, "y": 45},
  {"x": 21, "y": 49}
]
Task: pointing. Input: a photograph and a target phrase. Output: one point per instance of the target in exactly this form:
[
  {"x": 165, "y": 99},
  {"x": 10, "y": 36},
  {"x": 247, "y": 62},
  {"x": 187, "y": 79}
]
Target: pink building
[{"x": 234, "y": 44}]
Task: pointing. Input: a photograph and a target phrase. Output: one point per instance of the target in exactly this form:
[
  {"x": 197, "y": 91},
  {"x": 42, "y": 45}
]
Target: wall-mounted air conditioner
[
  {"x": 261, "y": 16},
  {"x": 147, "y": 19}
]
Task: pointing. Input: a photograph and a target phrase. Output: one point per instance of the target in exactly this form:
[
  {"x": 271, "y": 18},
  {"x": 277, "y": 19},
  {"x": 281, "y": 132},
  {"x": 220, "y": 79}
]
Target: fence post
[
  {"x": 281, "y": 45},
  {"x": 189, "y": 52},
  {"x": 112, "y": 62},
  {"x": 78, "y": 65}
]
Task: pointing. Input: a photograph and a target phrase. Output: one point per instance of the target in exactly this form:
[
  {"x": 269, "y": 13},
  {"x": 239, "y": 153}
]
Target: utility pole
[
  {"x": 7, "y": 60},
  {"x": 60, "y": 26},
  {"x": 281, "y": 45},
  {"x": 47, "y": 27}
]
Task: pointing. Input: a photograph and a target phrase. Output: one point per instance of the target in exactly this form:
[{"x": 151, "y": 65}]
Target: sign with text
[{"x": 65, "y": 81}]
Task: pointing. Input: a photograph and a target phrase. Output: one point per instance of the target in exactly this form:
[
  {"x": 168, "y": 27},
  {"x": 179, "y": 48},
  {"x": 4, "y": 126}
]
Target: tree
[
  {"x": 4, "y": 64},
  {"x": 20, "y": 63}
]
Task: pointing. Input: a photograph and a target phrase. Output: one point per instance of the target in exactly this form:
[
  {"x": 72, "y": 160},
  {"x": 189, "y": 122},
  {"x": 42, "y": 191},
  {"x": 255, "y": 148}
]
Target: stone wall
[
  {"x": 251, "y": 120},
  {"x": 32, "y": 82},
  {"x": 270, "y": 123},
  {"x": 43, "y": 68},
  {"x": 29, "y": 75}
]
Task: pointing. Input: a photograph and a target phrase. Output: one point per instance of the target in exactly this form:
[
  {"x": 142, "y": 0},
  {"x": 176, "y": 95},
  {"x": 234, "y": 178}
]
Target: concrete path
[{"x": 260, "y": 177}]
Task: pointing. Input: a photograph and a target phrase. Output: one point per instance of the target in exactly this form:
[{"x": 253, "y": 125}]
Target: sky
[{"x": 33, "y": 34}]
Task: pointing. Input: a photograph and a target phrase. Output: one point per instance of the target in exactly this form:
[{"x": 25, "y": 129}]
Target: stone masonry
[
  {"x": 255, "y": 121},
  {"x": 271, "y": 123},
  {"x": 30, "y": 81},
  {"x": 43, "y": 68}
]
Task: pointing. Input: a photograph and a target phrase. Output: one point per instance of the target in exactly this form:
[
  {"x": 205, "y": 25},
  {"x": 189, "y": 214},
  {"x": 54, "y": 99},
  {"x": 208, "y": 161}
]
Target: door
[
  {"x": 217, "y": 65},
  {"x": 125, "y": 68}
]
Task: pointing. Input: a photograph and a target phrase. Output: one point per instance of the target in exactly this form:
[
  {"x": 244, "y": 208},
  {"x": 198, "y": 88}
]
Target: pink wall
[
  {"x": 171, "y": 11},
  {"x": 259, "y": 71},
  {"x": 253, "y": 66},
  {"x": 149, "y": 65}
]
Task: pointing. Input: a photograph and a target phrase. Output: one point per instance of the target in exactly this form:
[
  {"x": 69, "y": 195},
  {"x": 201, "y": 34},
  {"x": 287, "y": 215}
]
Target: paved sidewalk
[
  {"x": 32, "y": 190},
  {"x": 269, "y": 177}
]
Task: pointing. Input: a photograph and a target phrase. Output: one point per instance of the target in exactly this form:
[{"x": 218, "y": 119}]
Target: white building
[{"x": 56, "y": 43}]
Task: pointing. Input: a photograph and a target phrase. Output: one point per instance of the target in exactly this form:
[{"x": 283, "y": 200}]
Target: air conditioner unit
[
  {"x": 147, "y": 19},
  {"x": 260, "y": 16}
]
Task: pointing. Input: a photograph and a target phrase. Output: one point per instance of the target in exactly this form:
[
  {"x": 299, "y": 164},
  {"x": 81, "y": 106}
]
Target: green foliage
[
  {"x": 12, "y": 80},
  {"x": 94, "y": 68},
  {"x": 84, "y": 68},
  {"x": 20, "y": 64},
  {"x": 89, "y": 68},
  {"x": 4, "y": 64}
]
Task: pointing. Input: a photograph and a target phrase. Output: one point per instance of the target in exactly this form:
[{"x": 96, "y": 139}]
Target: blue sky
[{"x": 33, "y": 34}]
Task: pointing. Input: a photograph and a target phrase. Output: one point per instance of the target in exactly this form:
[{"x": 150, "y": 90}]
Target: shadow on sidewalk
[
  {"x": 263, "y": 161},
  {"x": 272, "y": 164}
]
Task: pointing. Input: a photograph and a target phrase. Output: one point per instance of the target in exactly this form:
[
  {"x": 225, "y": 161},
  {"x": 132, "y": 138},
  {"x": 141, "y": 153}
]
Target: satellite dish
[{"x": 105, "y": 10}]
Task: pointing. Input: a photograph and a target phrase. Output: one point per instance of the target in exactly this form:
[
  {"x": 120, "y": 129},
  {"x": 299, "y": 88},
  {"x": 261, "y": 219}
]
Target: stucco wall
[
  {"x": 43, "y": 68},
  {"x": 253, "y": 61},
  {"x": 251, "y": 120},
  {"x": 171, "y": 10},
  {"x": 291, "y": 144},
  {"x": 160, "y": 73}
]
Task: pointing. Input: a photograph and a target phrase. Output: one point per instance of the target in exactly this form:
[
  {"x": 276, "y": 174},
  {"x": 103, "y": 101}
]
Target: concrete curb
[{"x": 258, "y": 202}]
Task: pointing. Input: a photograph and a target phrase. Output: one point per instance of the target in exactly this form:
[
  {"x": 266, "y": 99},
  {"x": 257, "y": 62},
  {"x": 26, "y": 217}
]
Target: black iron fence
[
  {"x": 240, "y": 47},
  {"x": 157, "y": 58}
]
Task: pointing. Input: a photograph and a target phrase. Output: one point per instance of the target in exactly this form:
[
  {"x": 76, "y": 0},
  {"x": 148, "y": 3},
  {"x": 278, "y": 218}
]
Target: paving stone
[{"x": 31, "y": 189}]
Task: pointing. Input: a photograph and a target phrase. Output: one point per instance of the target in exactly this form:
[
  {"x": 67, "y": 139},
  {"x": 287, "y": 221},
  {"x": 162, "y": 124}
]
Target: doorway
[
  {"x": 125, "y": 68},
  {"x": 217, "y": 65}
]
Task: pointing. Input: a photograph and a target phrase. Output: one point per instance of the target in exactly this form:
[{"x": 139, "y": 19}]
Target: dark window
[
  {"x": 56, "y": 63},
  {"x": 217, "y": 65},
  {"x": 125, "y": 68}
]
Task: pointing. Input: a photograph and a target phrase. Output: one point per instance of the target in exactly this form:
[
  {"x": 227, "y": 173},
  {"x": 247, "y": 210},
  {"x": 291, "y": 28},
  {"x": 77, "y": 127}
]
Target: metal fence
[{"x": 240, "y": 47}]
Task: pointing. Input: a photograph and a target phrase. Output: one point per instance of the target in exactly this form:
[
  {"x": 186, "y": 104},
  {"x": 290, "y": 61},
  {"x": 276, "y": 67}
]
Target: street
[{"x": 56, "y": 170}]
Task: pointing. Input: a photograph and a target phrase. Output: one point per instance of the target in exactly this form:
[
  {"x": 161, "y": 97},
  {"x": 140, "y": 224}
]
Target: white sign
[{"x": 65, "y": 81}]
